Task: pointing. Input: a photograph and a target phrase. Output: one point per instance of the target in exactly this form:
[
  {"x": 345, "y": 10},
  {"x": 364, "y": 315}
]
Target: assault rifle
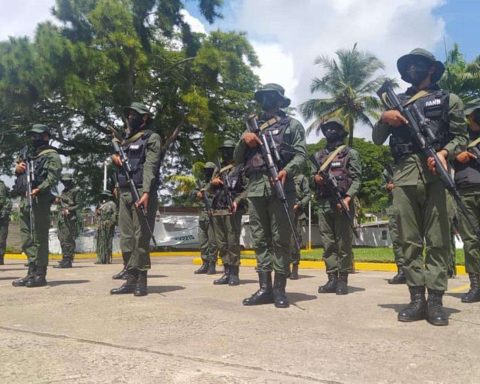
[
  {"x": 225, "y": 184},
  {"x": 30, "y": 177},
  {"x": 332, "y": 185},
  {"x": 266, "y": 150},
  {"x": 424, "y": 138},
  {"x": 127, "y": 169}
]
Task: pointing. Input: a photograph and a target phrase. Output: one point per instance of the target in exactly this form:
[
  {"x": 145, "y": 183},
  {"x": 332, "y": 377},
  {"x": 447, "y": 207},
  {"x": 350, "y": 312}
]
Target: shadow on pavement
[
  {"x": 9, "y": 278},
  {"x": 458, "y": 295},
  {"x": 355, "y": 289},
  {"x": 296, "y": 297},
  {"x": 156, "y": 276},
  {"x": 398, "y": 307},
  {"x": 13, "y": 269},
  {"x": 164, "y": 288},
  {"x": 66, "y": 282}
]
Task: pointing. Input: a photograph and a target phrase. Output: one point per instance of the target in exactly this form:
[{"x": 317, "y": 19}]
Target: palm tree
[
  {"x": 460, "y": 77},
  {"x": 349, "y": 86}
]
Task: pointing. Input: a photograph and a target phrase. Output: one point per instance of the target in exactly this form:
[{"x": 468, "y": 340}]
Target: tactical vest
[
  {"x": 233, "y": 176},
  {"x": 468, "y": 174},
  {"x": 338, "y": 169},
  {"x": 254, "y": 161},
  {"x": 40, "y": 172},
  {"x": 136, "y": 152},
  {"x": 435, "y": 108}
]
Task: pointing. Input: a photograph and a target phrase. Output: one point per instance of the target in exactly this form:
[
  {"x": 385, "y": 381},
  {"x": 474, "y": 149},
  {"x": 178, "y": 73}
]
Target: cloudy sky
[{"x": 288, "y": 35}]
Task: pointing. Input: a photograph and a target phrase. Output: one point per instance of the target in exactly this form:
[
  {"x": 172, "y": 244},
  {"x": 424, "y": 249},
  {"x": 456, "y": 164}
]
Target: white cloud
[
  {"x": 195, "y": 24},
  {"x": 304, "y": 29},
  {"x": 20, "y": 18}
]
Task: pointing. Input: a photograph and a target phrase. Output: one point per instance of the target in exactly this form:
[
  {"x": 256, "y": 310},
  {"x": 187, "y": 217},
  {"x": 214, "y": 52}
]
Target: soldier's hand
[
  {"x": 432, "y": 166},
  {"x": 20, "y": 168},
  {"x": 217, "y": 182},
  {"x": 465, "y": 157},
  {"x": 35, "y": 192},
  {"x": 346, "y": 201},
  {"x": 393, "y": 118},
  {"x": 282, "y": 176},
  {"x": 296, "y": 207},
  {"x": 234, "y": 207},
  {"x": 251, "y": 139},
  {"x": 199, "y": 195},
  {"x": 319, "y": 179},
  {"x": 143, "y": 201},
  {"x": 117, "y": 160},
  {"x": 389, "y": 187}
]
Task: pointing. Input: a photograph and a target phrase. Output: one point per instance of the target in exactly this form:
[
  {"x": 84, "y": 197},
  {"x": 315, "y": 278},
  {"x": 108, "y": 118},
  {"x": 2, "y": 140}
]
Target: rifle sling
[{"x": 330, "y": 158}]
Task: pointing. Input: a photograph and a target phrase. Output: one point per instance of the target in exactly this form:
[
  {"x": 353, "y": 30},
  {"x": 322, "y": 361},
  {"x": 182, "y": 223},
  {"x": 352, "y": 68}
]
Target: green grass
[{"x": 372, "y": 255}]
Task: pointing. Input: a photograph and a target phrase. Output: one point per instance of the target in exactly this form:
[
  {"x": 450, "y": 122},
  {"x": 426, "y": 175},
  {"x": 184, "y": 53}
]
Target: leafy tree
[
  {"x": 77, "y": 76},
  {"x": 349, "y": 85},
  {"x": 461, "y": 77}
]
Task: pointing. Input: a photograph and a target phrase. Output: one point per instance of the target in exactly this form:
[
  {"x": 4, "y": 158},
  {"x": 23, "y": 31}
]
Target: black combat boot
[
  {"x": 473, "y": 295},
  {"x": 64, "y": 263},
  {"x": 211, "y": 268},
  {"x": 265, "y": 294},
  {"x": 2, "y": 260},
  {"x": 129, "y": 285},
  {"x": 342, "y": 284},
  {"x": 30, "y": 273},
  {"x": 225, "y": 277},
  {"x": 416, "y": 310},
  {"x": 399, "y": 278},
  {"x": 141, "y": 285},
  {"x": 203, "y": 268},
  {"x": 279, "y": 295},
  {"x": 233, "y": 278},
  {"x": 331, "y": 285},
  {"x": 435, "y": 313},
  {"x": 122, "y": 275},
  {"x": 39, "y": 278},
  {"x": 294, "y": 272}
]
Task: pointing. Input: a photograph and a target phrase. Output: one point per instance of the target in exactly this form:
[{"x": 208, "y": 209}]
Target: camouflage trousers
[
  {"x": 104, "y": 243},
  {"x": 207, "y": 240},
  {"x": 67, "y": 230}
]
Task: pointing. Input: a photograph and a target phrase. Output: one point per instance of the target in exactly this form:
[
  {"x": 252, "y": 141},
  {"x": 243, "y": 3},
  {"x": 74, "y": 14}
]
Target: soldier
[
  {"x": 419, "y": 193},
  {"x": 106, "y": 221},
  {"x": 206, "y": 232},
  {"x": 47, "y": 168},
  {"x": 143, "y": 149},
  {"x": 393, "y": 229},
  {"x": 467, "y": 178},
  {"x": 343, "y": 164},
  {"x": 302, "y": 197},
  {"x": 268, "y": 222},
  {"x": 67, "y": 220},
  {"x": 5, "y": 210},
  {"x": 228, "y": 188}
]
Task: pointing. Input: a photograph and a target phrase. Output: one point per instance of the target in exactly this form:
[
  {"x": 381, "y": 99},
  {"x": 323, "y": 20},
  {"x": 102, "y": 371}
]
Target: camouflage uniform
[
  {"x": 69, "y": 211},
  {"x": 302, "y": 198},
  {"x": 5, "y": 209},
  {"x": 106, "y": 222},
  {"x": 47, "y": 168}
]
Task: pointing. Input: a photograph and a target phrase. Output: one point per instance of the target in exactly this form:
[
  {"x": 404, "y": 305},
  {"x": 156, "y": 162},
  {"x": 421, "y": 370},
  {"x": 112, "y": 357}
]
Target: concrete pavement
[{"x": 189, "y": 331}]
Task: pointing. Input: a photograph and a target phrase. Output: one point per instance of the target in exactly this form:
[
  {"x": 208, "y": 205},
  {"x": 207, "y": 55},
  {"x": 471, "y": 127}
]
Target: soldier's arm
[
  {"x": 152, "y": 161},
  {"x": 355, "y": 168},
  {"x": 306, "y": 195},
  {"x": 457, "y": 127},
  {"x": 74, "y": 203},
  {"x": 239, "y": 152},
  {"x": 53, "y": 164},
  {"x": 380, "y": 132},
  {"x": 299, "y": 146}
]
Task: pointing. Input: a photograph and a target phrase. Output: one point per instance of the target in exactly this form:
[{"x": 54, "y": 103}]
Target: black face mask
[
  {"x": 334, "y": 135},
  {"x": 227, "y": 154},
  {"x": 208, "y": 173},
  {"x": 135, "y": 122},
  {"x": 269, "y": 102},
  {"x": 67, "y": 185},
  {"x": 417, "y": 72},
  {"x": 476, "y": 116},
  {"x": 37, "y": 141}
]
